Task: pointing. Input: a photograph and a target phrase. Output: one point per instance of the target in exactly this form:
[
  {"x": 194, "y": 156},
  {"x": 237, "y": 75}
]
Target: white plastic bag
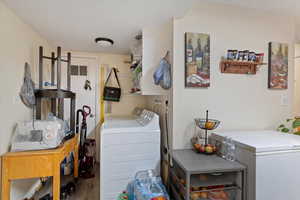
[
  {"x": 52, "y": 135},
  {"x": 27, "y": 89}
]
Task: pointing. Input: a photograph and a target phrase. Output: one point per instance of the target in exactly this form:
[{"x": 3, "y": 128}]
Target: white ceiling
[
  {"x": 74, "y": 24},
  {"x": 280, "y": 7},
  {"x": 285, "y": 7}
]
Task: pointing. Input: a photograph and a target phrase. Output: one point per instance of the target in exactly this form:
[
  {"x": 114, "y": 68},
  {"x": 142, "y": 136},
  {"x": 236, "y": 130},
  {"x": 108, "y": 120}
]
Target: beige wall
[
  {"x": 239, "y": 101},
  {"x": 297, "y": 81},
  {"x": 128, "y": 101},
  {"x": 157, "y": 41},
  {"x": 18, "y": 44}
]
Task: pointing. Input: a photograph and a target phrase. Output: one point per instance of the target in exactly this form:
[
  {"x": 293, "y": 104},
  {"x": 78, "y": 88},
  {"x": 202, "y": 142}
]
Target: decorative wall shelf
[{"x": 239, "y": 67}]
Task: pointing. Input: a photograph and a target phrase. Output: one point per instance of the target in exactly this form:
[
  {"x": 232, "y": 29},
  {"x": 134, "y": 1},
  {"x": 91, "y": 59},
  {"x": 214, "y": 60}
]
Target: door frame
[{"x": 96, "y": 61}]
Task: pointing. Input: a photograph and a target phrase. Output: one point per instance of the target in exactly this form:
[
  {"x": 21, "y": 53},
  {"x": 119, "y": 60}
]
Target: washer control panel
[{"x": 145, "y": 117}]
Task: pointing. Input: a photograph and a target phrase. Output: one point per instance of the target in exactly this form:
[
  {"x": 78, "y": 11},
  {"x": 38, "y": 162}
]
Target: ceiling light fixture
[{"x": 104, "y": 42}]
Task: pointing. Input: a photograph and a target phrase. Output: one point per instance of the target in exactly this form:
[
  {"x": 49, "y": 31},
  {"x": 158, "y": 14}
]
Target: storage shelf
[
  {"x": 56, "y": 97},
  {"x": 193, "y": 163},
  {"x": 138, "y": 93},
  {"x": 217, "y": 189},
  {"x": 177, "y": 180},
  {"x": 227, "y": 175},
  {"x": 239, "y": 67},
  {"x": 175, "y": 193},
  {"x": 54, "y": 93},
  {"x": 213, "y": 180}
]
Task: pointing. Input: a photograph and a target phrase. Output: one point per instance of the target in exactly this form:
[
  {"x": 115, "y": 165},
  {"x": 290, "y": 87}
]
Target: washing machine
[{"x": 128, "y": 145}]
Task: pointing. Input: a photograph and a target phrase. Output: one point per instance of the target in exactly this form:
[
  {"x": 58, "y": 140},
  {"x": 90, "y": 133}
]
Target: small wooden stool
[{"x": 36, "y": 164}]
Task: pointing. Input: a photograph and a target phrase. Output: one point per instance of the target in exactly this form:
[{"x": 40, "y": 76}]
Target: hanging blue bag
[{"x": 162, "y": 75}]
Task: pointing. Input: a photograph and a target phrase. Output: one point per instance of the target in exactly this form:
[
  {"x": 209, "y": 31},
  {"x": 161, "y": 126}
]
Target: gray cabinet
[{"x": 202, "y": 177}]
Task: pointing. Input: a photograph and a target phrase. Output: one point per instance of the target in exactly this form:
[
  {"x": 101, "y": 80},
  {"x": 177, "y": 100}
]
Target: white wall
[
  {"x": 18, "y": 44},
  {"x": 297, "y": 81},
  {"x": 239, "y": 101},
  {"x": 157, "y": 41}
]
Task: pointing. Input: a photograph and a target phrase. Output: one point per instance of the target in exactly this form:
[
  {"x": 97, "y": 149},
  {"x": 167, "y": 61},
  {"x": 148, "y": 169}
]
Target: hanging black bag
[{"x": 112, "y": 93}]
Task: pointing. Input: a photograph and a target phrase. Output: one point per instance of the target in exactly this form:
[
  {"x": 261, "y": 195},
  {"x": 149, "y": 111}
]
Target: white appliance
[
  {"x": 272, "y": 160},
  {"x": 41, "y": 134},
  {"x": 128, "y": 145}
]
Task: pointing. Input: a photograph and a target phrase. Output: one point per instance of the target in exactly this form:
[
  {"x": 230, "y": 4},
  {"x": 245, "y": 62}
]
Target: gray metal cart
[{"x": 197, "y": 176}]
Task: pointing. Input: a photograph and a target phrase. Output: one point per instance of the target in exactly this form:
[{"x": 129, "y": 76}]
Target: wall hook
[
  {"x": 117, "y": 70},
  {"x": 167, "y": 55}
]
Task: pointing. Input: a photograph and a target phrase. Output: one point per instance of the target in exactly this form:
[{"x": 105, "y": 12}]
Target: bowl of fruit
[
  {"x": 208, "y": 149},
  {"x": 207, "y": 124}
]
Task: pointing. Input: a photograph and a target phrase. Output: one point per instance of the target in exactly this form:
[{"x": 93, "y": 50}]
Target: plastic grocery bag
[
  {"x": 27, "y": 89},
  {"x": 162, "y": 76},
  {"x": 52, "y": 133},
  {"x": 146, "y": 186}
]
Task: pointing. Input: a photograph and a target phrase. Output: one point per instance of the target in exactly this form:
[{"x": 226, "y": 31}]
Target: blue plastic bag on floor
[
  {"x": 130, "y": 191},
  {"x": 146, "y": 186}
]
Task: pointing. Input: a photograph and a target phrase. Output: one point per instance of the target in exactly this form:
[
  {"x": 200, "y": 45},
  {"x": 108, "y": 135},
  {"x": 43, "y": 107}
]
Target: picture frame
[
  {"x": 197, "y": 60},
  {"x": 278, "y": 66}
]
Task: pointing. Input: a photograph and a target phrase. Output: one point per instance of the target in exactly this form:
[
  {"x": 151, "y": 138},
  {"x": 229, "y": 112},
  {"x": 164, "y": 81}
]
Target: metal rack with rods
[{"x": 58, "y": 95}]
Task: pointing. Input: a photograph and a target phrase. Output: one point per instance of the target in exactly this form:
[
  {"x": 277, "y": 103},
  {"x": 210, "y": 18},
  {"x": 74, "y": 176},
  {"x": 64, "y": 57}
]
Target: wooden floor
[{"x": 88, "y": 189}]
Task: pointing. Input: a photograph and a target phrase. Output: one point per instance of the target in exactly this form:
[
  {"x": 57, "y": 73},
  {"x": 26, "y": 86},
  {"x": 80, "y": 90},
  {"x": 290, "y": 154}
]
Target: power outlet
[
  {"x": 284, "y": 100},
  {"x": 16, "y": 100}
]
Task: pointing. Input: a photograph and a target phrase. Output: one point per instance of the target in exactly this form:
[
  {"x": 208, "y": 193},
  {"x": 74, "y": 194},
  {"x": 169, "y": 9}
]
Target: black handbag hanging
[{"x": 112, "y": 93}]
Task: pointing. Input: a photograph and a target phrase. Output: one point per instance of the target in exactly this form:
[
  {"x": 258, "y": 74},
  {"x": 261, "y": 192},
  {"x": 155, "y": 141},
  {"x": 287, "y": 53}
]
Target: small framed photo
[
  {"x": 197, "y": 60},
  {"x": 278, "y": 65}
]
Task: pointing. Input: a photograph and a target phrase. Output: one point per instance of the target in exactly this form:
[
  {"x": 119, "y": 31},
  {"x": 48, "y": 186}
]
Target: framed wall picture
[
  {"x": 278, "y": 66},
  {"x": 197, "y": 60}
]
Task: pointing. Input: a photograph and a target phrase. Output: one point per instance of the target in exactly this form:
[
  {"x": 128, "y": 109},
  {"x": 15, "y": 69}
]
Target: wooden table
[{"x": 36, "y": 164}]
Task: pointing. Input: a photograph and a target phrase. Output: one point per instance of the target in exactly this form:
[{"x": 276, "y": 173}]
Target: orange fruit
[
  {"x": 197, "y": 146},
  {"x": 209, "y": 125}
]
